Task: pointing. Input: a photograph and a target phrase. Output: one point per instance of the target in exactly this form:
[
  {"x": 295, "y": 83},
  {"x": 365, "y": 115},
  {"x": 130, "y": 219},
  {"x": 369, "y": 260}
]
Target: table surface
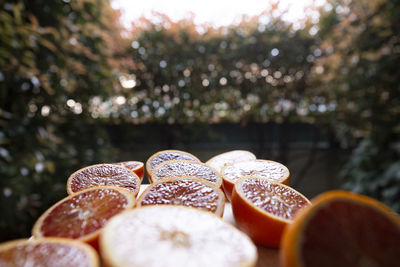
[{"x": 267, "y": 257}]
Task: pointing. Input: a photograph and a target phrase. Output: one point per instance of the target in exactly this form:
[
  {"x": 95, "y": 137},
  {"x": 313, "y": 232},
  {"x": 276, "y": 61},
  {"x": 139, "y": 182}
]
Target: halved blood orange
[
  {"x": 168, "y": 235},
  {"x": 186, "y": 168},
  {"x": 103, "y": 174},
  {"x": 272, "y": 170},
  {"x": 47, "y": 252},
  {"x": 186, "y": 191},
  {"x": 342, "y": 229},
  {"x": 221, "y": 160},
  {"x": 83, "y": 214},
  {"x": 135, "y": 166},
  {"x": 165, "y": 155},
  {"x": 263, "y": 208}
]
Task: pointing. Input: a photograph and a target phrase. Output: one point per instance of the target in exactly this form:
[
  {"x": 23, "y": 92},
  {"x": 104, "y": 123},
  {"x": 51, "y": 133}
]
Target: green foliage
[
  {"x": 362, "y": 77},
  {"x": 374, "y": 170},
  {"x": 250, "y": 72},
  {"x": 54, "y": 56}
]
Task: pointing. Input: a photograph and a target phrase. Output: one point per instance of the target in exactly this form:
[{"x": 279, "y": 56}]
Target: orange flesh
[
  {"x": 224, "y": 159},
  {"x": 272, "y": 198},
  {"x": 174, "y": 236},
  {"x": 44, "y": 254},
  {"x": 264, "y": 168},
  {"x": 103, "y": 174},
  {"x": 186, "y": 168},
  {"x": 186, "y": 192},
  {"x": 135, "y": 166},
  {"x": 169, "y": 155},
  {"x": 346, "y": 233},
  {"x": 83, "y": 214},
  {"x": 130, "y": 164}
]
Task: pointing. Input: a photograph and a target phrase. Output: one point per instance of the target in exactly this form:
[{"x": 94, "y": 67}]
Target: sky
[{"x": 216, "y": 12}]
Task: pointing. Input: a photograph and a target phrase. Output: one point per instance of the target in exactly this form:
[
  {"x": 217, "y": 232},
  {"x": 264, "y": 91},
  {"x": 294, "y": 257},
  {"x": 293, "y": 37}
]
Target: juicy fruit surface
[
  {"x": 162, "y": 156},
  {"x": 264, "y": 168},
  {"x": 344, "y": 233},
  {"x": 227, "y": 158},
  {"x": 103, "y": 174},
  {"x": 136, "y": 166},
  {"x": 174, "y": 236},
  {"x": 263, "y": 208},
  {"x": 82, "y": 213},
  {"x": 46, "y": 253},
  {"x": 132, "y": 165},
  {"x": 186, "y": 168},
  {"x": 184, "y": 191},
  {"x": 273, "y": 198}
]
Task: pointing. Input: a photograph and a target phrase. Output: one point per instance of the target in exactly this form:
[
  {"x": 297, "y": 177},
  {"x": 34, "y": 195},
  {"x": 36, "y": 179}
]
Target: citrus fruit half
[
  {"x": 165, "y": 155},
  {"x": 272, "y": 170},
  {"x": 83, "y": 214},
  {"x": 175, "y": 236},
  {"x": 47, "y": 252},
  {"x": 135, "y": 166},
  {"x": 221, "y": 160},
  {"x": 342, "y": 229},
  {"x": 103, "y": 174},
  {"x": 192, "y": 192},
  {"x": 176, "y": 168},
  {"x": 263, "y": 208}
]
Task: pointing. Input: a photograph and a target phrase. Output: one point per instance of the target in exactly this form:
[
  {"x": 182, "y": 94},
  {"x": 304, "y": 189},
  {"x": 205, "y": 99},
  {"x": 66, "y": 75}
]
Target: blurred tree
[
  {"x": 360, "y": 74},
  {"x": 183, "y": 73},
  {"x": 54, "y": 57}
]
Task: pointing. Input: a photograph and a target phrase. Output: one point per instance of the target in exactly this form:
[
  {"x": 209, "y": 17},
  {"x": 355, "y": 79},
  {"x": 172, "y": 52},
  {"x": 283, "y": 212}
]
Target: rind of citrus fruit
[
  {"x": 342, "y": 229},
  {"x": 186, "y": 191},
  {"x": 174, "y": 236},
  {"x": 263, "y": 208},
  {"x": 82, "y": 215},
  {"x": 103, "y": 174},
  {"x": 186, "y": 168},
  {"x": 135, "y": 166},
  {"x": 272, "y": 170},
  {"x": 47, "y": 252},
  {"x": 221, "y": 160},
  {"x": 165, "y": 155}
]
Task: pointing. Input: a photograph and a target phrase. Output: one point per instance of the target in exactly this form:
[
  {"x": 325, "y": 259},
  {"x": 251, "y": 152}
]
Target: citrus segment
[
  {"x": 47, "y": 252},
  {"x": 176, "y": 168},
  {"x": 135, "y": 166},
  {"x": 272, "y": 170},
  {"x": 263, "y": 208},
  {"x": 165, "y": 155},
  {"x": 342, "y": 229},
  {"x": 103, "y": 174},
  {"x": 221, "y": 160},
  {"x": 83, "y": 214},
  {"x": 192, "y": 192},
  {"x": 174, "y": 236}
]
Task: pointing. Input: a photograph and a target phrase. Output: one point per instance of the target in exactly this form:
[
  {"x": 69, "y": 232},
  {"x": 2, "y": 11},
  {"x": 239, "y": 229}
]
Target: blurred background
[{"x": 314, "y": 85}]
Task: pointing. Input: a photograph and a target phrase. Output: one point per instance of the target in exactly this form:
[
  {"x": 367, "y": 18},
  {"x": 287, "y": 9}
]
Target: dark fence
[{"x": 309, "y": 151}]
